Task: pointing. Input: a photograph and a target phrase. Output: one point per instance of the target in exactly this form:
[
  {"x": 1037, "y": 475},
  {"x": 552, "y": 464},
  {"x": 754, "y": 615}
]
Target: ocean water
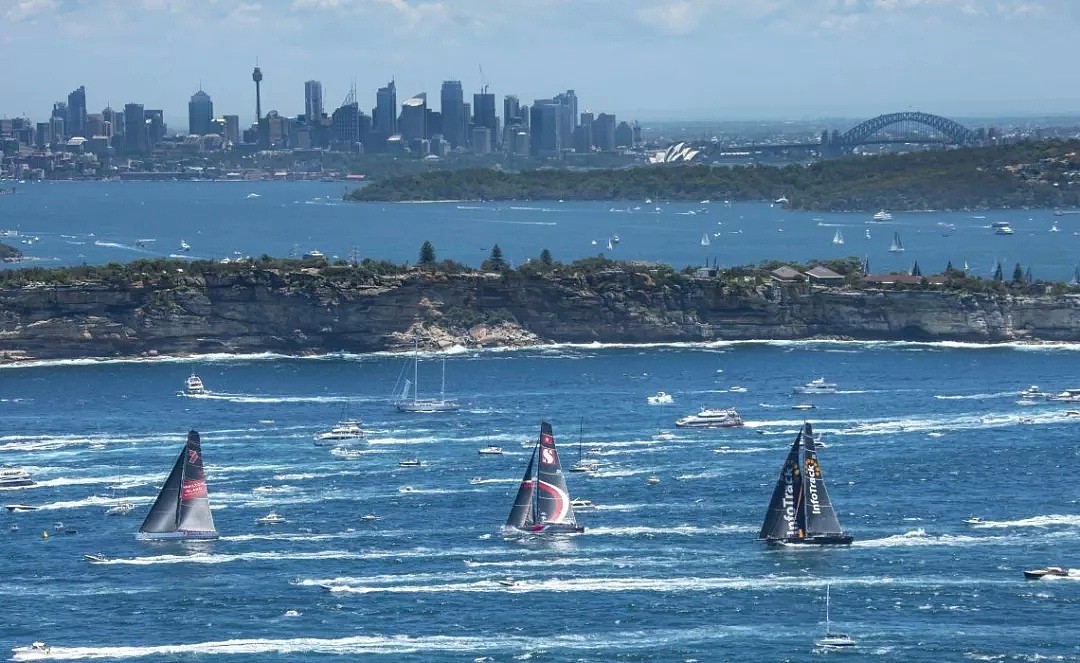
[
  {"x": 96, "y": 222},
  {"x": 919, "y": 437}
]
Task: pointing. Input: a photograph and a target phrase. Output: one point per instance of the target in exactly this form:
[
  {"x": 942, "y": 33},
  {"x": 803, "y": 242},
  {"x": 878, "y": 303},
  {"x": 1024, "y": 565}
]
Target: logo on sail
[
  {"x": 192, "y": 489},
  {"x": 812, "y": 473},
  {"x": 788, "y": 504},
  {"x": 547, "y": 456}
]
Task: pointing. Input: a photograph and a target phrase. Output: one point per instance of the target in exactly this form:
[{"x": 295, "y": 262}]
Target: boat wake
[
  {"x": 919, "y": 538},
  {"x": 1053, "y": 520}
]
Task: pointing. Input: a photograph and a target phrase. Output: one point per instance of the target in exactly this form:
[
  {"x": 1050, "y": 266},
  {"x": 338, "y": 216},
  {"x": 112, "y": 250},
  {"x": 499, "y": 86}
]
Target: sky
[{"x": 650, "y": 60}]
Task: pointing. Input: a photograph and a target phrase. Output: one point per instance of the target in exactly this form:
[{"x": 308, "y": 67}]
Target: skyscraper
[
  {"x": 313, "y": 104},
  {"x": 603, "y": 132},
  {"x": 414, "y": 118},
  {"x": 544, "y": 137},
  {"x": 76, "y": 112},
  {"x": 136, "y": 138},
  {"x": 256, "y": 76},
  {"x": 452, "y": 101},
  {"x": 386, "y": 110},
  {"x": 200, "y": 113},
  {"x": 511, "y": 111}
]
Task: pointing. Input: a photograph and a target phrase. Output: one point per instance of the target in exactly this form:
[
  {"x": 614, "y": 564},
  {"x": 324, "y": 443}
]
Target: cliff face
[{"x": 304, "y": 312}]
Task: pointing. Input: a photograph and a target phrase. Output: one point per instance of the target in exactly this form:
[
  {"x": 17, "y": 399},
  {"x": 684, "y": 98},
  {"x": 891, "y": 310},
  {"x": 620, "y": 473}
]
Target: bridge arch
[{"x": 862, "y": 132}]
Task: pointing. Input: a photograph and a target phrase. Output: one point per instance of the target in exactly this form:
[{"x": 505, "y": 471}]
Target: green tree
[
  {"x": 545, "y": 258},
  {"x": 427, "y": 254},
  {"x": 1018, "y": 274},
  {"x": 495, "y": 261}
]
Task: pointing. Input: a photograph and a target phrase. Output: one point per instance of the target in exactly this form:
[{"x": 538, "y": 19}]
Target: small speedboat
[
  {"x": 476, "y": 481},
  {"x": 14, "y": 527},
  {"x": 121, "y": 509},
  {"x": 737, "y": 390},
  {"x": 272, "y": 518},
  {"x": 582, "y": 505},
  {"x": 35, "y": 650},
  {"x": 973, "y": 520},
  {"x": 1033, "y": 392},
  {"x": 660, "y": 398},
  {"x": 409, "y": 462},
  {"x": 507, "y": 582},
  {"x": 291, "y": 613},
  {"x": 490, "y": 451},
  {"x": 97, "y": 558},
  {"x": 803, "y": 406},
  {"x": 20, "y": 508},
  {"x": 369, "y": 517},
  {"x": 653, "y": 480},
  {"x": 663, "y": 436},
  {"x": 345, "y": 453},
  {"x": 818, "y": 386},
  {"x": 1048, "y": 572}
]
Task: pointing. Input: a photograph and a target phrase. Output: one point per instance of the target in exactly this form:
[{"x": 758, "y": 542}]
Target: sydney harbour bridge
[{"x": 908, "y": 127}]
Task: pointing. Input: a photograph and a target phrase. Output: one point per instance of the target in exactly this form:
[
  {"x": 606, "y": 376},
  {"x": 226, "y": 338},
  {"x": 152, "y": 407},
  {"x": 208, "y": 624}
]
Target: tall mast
[
  {"x": 416, "y": 368},
  {"x": 442, "y": 390}
]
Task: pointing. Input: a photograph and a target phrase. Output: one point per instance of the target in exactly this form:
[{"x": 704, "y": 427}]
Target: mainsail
[
  {"x": 784, "y": 517},
  {"x": 182, "y": 508},
  {"x": 820, "y": 515}
]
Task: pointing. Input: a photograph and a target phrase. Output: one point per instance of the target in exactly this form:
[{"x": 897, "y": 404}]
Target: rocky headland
[{"x": 303, "y": 310}]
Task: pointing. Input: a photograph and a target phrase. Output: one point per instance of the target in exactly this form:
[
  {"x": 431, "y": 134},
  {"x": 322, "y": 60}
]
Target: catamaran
[
  {"x": 897, "y": 246},
  {"x": 182, "y": 508},
  {"x": 800, "y": 511},
  {"x": 542, "y": 505},
  {"x": 424, "y": 405}
]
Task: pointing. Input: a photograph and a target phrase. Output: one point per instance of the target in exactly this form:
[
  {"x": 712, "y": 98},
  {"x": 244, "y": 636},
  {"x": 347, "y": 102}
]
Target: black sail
[
  {"x": 820, "y": 515},
  {"x": 182, "y": 509},
  {"x": 784, "y": 520},
  {"x": 553, "y": 499},
  {"x": 521, "y": 515},
  {"x": 195, "y": 513},
  {"x": 162, "y": 516}
]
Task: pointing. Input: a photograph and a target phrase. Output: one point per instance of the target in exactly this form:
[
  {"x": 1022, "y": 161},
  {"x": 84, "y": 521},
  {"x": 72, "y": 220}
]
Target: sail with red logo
[
  {"x": 800, "y": 511},
  {"x": 182, "y": 508},
  {"x": 542, "y": 505}
]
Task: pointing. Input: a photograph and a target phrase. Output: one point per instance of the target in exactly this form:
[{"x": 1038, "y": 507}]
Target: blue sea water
[
  {"x": 919, "y": 437},
  {"x": 96, "y": 222}
]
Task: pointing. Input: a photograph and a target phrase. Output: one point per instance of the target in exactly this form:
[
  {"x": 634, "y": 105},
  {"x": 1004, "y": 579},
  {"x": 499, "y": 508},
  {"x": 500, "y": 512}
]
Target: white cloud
[{"x": 28, "y": 10}]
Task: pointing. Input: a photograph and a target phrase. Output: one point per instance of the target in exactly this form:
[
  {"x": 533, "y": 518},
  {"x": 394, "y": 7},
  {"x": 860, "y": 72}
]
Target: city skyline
[{"x": 652, "y": 60}]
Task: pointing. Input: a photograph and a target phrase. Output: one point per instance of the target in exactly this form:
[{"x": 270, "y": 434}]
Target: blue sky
[{"x": 645, "y": 59}]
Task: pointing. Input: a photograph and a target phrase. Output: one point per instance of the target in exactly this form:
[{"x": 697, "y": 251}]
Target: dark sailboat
[
  {"x": 542, "y": 505},
  {"x": 800, "y": 511},
  {"x": 182, "y": 508}
]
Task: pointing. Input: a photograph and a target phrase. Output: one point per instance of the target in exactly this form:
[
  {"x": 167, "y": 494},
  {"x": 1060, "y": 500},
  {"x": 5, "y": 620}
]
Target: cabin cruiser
[
  {"x": 35, "y": 650},
  {"x": 1033, "y": 392},
  {"x": 20, "y": 508},
  {"x": 121, "y": 509},
  {"x": 272, "y": 518},
  {"x": 660, "y": 398},
  {"x": 97, "y": 558},
  {"x": 345, "y": 430},
  {"x": 1003, "y": 228},
  {"x": 882, "y": 215},
  {"x": 663, "y": 436},
  {"x": 973, "y": 520},
  {"x": 194, "y": 386},
  {"x": 583, "y": 505},
  {"x": 184, "y": 246},
  {"x": 345, "y": 453},
  {"x": 490, "y": 450},
  {"x": 508, "y": 582},
  {"x": 707, "y": 418},
  {"x": 818, "y": 386},
  {"x": 653, "y": 480},
  {"x": 1067, "y": 396},
  {"x": 1048, "y": 572},
  {"x": 409, "y": 462},
  {"x": 804, "y": 406},
  {"x": 13, "y": 477}
]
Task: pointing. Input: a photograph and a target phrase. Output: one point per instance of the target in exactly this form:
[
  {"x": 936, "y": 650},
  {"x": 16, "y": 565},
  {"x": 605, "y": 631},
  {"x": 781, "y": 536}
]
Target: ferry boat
[
  {"x": 818, "y": 386},
  {"x": 13, "y": 477},
  {"x": 707, "y": 418},
  {"x": 1002, "y": 228},
  {"x": 882, "y": 215}
]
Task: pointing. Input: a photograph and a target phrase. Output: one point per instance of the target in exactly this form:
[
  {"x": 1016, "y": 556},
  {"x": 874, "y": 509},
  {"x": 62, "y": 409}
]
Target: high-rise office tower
[
  {"x": 511, "y": 110},
  {"x": 256, "y": 76},
  {"x": 544, "y": 137},
  {"x": 414, "y": 118},
  {"x": 136, "y": 138},
  {"x": 76, "y": 112},
  {"x": 313, "y": 104},
  {"x": 386, "y": 110},
  {"x": 484, "y": 111},
  {"x": 603, "y": 132},
  {"x": 155, "y": 126},
  {"x": 452, "y": 100},
  {"x": 200, "y": 113}
]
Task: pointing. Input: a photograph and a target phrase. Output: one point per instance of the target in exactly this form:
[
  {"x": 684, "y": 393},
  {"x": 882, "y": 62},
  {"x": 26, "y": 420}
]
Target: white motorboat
[
  {"x": 782, "y": 200},
  {"x": 345, "y": 453},
  {"x": 1002, "y": 228},
  {"x": 96, "y": 558},
  {"x": 583, "y": 505},
  {"x": 804, "y": 406},
  {"x": 490, "y": 451},
  {"x": 272, "y": 518},
  {"x": 476, "y": 481},
  {"x": 121, "y": 509},
  {"x": 184, "y": 246},
  {"x": 707, "y": 418},
  {"x": 369, "y": 517},
  {"x": 35, "y": 650},
  {"x": 1048, "y": 572},
  {"x": 818, "y": 386},
  {"x": 20, "y": 508},
  {"x": 881, "y": 215},
  {"x": 653, "y": 480},
  {"x": 347, "y": 429},
  {"x": 663, "y": 436},
  {"x": 13, "y": 477},
  {"x": 737, "y": 389},
  {"x": 832, "y": 640},
  {"x": 194, "y": 386},
  {"x": 973, "y": 520},
  {"x": 409, "y": 462},
  {"x": 1033, "y": 392},
  {"x": 1067, "y": 396},
  {"x": 660, "y": 398},
  {"x": 507, "y": 582}
]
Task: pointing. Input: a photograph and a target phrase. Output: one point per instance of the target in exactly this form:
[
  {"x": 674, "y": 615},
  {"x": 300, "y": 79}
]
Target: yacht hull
[
  {"x": 176, "y": 536},
  {"x": 818, "y": 540}
]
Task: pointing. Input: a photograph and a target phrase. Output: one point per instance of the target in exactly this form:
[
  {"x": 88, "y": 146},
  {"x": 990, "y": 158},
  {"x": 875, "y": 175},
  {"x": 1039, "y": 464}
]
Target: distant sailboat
[
  {"x": 610, "y": 246},
  {"x": 897, "y": 246},
  {"x": 705, "y": 239},
  {"x": 867, "y": 233},
  {"x": 424, "y": 405},
  {"x": 182, "y": 508},
  {"x": 800, "y": 511},
  {"x": 833, "y": 640},
  {"x": 542, "y": 504},
  {"x": 838, "y": 238}
]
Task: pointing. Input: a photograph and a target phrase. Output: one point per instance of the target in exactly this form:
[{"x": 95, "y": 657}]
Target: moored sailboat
[
  {"x": 542, "y": 504},
  {"x": 897, "y": 246},
  {"x": 424, "y": 405},
  {"x": 800, "y": 511},
  {"x": 182, "y": 508}
]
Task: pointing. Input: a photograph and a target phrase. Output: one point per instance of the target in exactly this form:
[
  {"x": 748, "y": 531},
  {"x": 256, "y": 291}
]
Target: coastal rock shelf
[{"x": 307, "y": 311}]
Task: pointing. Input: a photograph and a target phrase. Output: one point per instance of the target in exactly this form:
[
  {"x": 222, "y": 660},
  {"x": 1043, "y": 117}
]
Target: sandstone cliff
[{"x": 308, "y": 311}]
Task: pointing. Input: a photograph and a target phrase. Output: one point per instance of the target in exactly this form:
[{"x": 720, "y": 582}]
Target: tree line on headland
[{"x": 1026, "y": 174}]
